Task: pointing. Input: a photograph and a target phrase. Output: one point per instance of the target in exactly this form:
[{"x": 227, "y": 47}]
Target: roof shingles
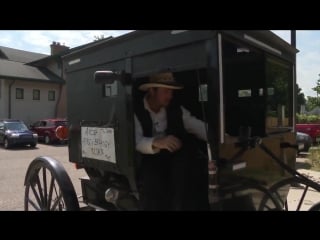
[
  {"x": 16, "y": 55},
  {"x": 19, "y": 70}
]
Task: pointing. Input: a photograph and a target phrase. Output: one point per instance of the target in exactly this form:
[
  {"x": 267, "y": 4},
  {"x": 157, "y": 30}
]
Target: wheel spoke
[
  {"x": 278, "y": 197},
  {"x": 302, "y": 197},
  {"x": 50, "y": 192},
  {"x": 34, "y": 204},
  {"x": 35, "y": 193},
  {"x": 40, "y": 189},
  {"x": 56, "y": 202},
  {"x": 268, "y": 207},
  {"x": 44, "y": 177},
  {"x": 58, "y": 198}
]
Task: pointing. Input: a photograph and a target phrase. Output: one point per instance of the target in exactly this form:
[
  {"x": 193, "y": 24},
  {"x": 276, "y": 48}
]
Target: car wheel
[
  {"x": 33, "y": 145},
  {"x": 6, "y": 144},
  {"x": 47, "y": 139}
]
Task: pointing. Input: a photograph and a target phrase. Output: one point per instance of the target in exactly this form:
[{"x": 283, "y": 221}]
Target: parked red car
[
  {"x": 51, "y": 130},
  {"x": 313, "y": 129}
]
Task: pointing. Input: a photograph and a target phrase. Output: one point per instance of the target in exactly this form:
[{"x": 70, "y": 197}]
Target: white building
[{"x": 31, "y": 84}]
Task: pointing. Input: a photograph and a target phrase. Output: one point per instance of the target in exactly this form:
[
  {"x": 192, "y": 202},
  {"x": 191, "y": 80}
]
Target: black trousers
[{"x": 174, "y": 182}]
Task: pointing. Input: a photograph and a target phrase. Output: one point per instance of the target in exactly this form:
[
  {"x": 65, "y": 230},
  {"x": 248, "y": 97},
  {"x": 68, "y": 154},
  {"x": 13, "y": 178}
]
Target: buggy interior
[{"x": 256, "y": 93}]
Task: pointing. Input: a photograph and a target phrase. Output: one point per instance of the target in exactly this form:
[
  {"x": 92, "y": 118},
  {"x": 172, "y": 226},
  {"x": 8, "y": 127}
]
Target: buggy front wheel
[{"x": 48, "y": 187}]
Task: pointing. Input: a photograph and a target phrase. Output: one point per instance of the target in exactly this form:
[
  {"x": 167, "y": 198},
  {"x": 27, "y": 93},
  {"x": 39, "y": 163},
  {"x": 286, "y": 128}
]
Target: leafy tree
[
  {"x": 311, "y": 103},
  {"x": 317, "y": 88},
  {"x": 301, "y": 100}
]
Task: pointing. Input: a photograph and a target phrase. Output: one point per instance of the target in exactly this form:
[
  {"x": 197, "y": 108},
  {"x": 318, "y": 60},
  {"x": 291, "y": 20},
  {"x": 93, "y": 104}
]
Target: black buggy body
[{"x": 241, "y": 83}]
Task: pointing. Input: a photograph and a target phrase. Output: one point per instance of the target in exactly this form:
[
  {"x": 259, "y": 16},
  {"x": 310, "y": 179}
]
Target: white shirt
[{"x": 159, "y": 123}]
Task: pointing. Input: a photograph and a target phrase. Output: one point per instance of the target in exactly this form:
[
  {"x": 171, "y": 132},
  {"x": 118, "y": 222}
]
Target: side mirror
[{"x": 107, "y": 77}]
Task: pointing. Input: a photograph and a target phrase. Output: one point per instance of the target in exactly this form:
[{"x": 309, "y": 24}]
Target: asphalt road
[
  {"x": 13, "y": 167},
  {"x": 14, "y": 164}
]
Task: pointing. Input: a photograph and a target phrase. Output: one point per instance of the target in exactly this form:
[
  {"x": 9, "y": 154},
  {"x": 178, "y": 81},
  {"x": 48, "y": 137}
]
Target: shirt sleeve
[
  {"x": 143, "y": 144},
  {"x": 193, "y": 125}
]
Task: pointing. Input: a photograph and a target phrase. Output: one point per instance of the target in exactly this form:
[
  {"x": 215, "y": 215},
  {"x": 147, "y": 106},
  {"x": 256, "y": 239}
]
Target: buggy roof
[{"x": 145, "y": 45}]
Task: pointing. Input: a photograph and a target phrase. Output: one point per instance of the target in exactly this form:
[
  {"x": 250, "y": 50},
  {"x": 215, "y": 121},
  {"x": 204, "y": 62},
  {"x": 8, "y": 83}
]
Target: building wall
[
  {"x": 4, "y": 98},
  {"x": 56, "y": 68},
  {"x": 62, "y": 104},
  {"x": 30, "y": 110}
]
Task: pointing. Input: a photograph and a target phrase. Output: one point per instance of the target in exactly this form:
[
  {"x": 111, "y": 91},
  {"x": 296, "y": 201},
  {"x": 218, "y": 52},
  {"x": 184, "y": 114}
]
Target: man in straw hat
[{"x": 162, "y": 137}]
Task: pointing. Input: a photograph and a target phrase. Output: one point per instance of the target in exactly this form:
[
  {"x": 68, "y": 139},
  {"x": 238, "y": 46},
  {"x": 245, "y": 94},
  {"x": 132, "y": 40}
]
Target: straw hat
[{"x": 164, "y": 80}]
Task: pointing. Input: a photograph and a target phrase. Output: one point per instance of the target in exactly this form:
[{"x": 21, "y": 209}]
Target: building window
[
  {"x": 51, "y": 95},
  {"x": 19, "y": 93},
  {"x": 36, "y": 94}
]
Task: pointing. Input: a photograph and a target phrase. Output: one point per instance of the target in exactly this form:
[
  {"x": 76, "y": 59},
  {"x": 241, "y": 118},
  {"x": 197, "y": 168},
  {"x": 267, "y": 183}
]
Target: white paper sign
[{"x": 98, "y": 143}]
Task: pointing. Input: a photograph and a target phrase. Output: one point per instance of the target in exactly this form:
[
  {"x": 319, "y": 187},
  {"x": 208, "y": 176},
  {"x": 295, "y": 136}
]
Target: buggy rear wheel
[
  {"x": 302, "y": 190},
  {"x": 315, "y": 207},
  {"x": 48, "y": 187},
  {"x": 248, "y": 195}
]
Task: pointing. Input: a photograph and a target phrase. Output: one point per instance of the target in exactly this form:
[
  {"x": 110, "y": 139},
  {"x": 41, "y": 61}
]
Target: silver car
[{"x": 304, "y": 141}]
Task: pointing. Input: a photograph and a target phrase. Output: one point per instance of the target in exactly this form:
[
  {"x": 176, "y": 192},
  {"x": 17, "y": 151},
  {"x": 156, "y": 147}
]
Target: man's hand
[{"x": 170, "y": 142}]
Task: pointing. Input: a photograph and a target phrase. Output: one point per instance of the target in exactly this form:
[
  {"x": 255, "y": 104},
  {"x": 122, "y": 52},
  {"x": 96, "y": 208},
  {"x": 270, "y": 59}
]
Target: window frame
[
  {"x": 18, "y": 92},
  {"x": 34, "y": 95},
  {"x": 53, "y": 96}
]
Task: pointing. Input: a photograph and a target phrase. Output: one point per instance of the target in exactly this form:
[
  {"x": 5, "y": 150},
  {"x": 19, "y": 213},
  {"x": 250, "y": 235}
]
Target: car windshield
[
  {"x": 16, "y": 126},
  {"x": 61, "y": 123}
]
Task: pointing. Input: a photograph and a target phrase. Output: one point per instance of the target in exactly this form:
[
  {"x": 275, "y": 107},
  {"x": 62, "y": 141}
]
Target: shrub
[
  {"x": 314, "y": 157},
  {"x": 303, "y": 118}
]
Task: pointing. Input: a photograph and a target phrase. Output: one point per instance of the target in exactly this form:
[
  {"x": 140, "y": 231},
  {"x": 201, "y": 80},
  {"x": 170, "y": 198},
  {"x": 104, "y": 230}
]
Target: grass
[{"x": 314, "y": 158}]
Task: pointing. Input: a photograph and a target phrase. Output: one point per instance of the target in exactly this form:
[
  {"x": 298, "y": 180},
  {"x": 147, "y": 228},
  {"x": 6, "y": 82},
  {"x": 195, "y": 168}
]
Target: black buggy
[{"x": 241, "y": 83}]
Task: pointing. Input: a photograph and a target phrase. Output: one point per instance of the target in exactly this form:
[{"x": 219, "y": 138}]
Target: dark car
[
  {"x": 304, "y": 141},
  {"x": 51, "y": 130},
  {"x": 15, "y": 132}
]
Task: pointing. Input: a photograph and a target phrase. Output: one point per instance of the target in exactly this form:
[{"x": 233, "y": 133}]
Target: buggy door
[{"x": 101, "y": 125}]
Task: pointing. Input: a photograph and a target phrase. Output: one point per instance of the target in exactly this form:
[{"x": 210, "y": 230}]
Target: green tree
[
  {"x": 311, "y": 103},
  {"x": 317, "y": 90},
  {"x": 301, "y": 100}
]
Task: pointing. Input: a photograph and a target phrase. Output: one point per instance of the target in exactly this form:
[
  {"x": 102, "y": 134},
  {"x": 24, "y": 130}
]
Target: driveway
[
  {"x": 14, "y": 164},
  {"x": 312, "y": 196}
]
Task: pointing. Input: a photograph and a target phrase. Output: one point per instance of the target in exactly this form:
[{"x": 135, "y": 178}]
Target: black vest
[{"x": 174, "y": 122}]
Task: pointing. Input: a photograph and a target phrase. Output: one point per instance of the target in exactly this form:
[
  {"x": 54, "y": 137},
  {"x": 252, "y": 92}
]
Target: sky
[
  {"x": 307, "y": 42},
  {"x": 308, "y": 58}
]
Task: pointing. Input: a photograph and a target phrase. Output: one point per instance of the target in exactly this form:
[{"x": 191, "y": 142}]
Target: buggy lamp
[
  {"x": 111, "y": 195},
  {"x": 106, "y": 77}
]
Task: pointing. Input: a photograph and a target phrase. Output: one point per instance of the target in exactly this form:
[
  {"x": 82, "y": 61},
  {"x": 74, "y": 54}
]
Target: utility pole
[{"x": 293, "y": 44}]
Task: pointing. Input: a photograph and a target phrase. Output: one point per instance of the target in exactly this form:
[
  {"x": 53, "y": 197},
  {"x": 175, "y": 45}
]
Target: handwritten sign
[{"x": 98, "y": 143}]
